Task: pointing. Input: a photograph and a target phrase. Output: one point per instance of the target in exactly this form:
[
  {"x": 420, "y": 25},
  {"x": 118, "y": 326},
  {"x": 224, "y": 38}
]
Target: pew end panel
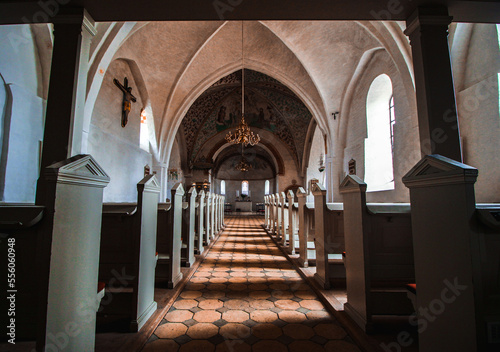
[{"x": 379, "y": 255}]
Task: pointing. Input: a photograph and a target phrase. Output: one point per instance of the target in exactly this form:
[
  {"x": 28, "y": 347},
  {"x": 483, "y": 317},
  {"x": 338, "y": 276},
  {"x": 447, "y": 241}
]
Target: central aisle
[{"x": 246, "y": 296}]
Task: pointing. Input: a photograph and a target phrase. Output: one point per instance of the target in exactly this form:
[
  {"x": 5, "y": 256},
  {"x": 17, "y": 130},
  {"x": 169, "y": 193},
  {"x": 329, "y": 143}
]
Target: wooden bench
[
  {"x": 329, "y": 240},
  {"x": 307, "y": 251},
  {"x": 199, "y": 222},
  {"x": 188, "y": 228},
  {"x": 379, "y": 255},
  {"x": 168, "y": 240},
  {"x": 283, "y": 225},
  {"x": 486, "y": 259},
  {"x": 456, "y": 250},
  {"x": 20, "y": 226},
  {"x": 292, "y": 231},
  {"x": 128, "y": 259}
]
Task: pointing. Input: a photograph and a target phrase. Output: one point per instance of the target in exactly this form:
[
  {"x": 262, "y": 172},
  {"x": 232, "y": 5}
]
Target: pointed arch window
[
  {"x": 223, "y": 187},
  {"x": 266, "y": 187},
  {"x": 380, "y": 120}
]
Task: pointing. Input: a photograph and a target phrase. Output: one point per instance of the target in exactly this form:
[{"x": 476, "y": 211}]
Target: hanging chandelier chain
[{"x": 242, "y": 134}]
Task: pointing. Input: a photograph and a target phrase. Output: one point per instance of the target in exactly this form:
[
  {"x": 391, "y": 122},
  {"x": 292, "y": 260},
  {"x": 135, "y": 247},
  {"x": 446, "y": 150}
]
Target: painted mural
[{"x": 269, "y": 105}]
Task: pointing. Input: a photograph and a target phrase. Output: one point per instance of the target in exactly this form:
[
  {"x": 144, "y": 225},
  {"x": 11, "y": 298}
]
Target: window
[
  {"x": 498, "y": 74},
  {"x": 266, "y": 187},
  {"x": 144, "y": 137},
  {"x": 223, "y": 187},
  {"x": 392, "y": 121},
  {"x": 244, "y": 188},
  {"x": 379, "y": 173}
]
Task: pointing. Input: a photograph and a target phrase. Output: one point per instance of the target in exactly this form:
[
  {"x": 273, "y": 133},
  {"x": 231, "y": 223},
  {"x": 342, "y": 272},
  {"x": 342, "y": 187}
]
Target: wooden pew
[
  {"x": 266, "y": 212},
  {"x": 168, "y": 240},
  {"x": 128, "y": 259},
  {"x": 208, "y": 202},
  {"x": 284, "y": 220},
  {"x": 379, "y": 255},
  {"x": 329, "y": 240},
  {"x": 486, "y": 272},
  {"x": 21, "y": 225},
  {"x": 456, "y": 249},
  {"x": 277, "y": 217},
  {"x": 307, "y": 251},
  {"x": 188, "y": 226},
  {"x": 200, "y": 217},
  {"x": 272, "y": 214},
  {"x": 292, "y": 230}
]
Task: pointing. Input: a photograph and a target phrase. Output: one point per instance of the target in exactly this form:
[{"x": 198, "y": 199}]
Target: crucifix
[{"x": 127, "y": 98}]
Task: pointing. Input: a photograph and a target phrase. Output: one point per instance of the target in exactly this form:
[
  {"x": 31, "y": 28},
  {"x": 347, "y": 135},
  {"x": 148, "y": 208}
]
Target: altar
[{"x": 243, "y": 205}]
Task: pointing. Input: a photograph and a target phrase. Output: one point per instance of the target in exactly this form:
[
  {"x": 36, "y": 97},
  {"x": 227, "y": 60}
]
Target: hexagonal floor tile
[{"x": 202, "y": 331}]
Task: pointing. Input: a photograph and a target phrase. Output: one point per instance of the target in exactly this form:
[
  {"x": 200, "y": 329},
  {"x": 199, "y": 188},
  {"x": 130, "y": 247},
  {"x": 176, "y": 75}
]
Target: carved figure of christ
[{"x": 127, "y": 99}]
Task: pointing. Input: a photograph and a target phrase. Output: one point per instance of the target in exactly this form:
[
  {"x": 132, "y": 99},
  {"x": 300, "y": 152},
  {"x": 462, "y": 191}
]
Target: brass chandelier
[
  {"x": 243, "y": 165},
  {"x": 242, "y": 135}
]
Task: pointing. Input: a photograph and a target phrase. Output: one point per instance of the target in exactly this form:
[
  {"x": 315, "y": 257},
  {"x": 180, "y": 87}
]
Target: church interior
[{"x": 237, "y": 175}]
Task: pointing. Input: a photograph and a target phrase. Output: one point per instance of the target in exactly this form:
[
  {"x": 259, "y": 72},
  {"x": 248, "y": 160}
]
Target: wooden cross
[{"x": 127, "y": 98}]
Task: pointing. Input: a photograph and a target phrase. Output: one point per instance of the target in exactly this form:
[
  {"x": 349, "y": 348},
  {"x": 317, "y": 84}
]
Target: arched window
[
  {"x": 244, "y": 188},
  {"x": 144, "y": 137},
  {"x": 222, "y": 187},
  {"x": 392, "y": 121},
  {"x": 379, "y": 172},
  {"x": 498, "y": 74},
  {"x": 266, "y": 187}
]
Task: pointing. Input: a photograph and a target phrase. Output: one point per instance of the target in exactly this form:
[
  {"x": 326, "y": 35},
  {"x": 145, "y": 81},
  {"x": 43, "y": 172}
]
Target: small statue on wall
[{"x": 127, "y": 99}]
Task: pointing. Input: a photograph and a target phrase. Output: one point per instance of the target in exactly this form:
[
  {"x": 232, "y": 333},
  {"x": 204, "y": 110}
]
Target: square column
[
  {"x": 67, "y": 88},
  {"x": 427, "y": 29}
]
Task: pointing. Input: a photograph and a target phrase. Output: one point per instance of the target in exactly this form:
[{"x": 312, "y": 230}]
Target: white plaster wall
[
  {"x": 22, "y": 110},
  {"x": 115, "y": 148},
  {"x": 317, "y": 148},
  {"x": 175, "y": 163},
  {"x": 256, "y": 188},
  {"x": 478, "y": 109},
  {"x": 406, "y": 140}
]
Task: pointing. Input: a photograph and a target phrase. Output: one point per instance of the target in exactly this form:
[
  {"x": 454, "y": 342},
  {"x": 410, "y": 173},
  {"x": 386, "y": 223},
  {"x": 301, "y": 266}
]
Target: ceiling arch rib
[
  {"x": 269, "y": 105},
  {"x": 220, "y": 56}
]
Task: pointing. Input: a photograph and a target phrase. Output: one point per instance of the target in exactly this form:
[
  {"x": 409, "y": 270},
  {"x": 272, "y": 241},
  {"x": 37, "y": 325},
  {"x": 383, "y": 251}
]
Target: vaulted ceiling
[{"x": 269, "y": 105}]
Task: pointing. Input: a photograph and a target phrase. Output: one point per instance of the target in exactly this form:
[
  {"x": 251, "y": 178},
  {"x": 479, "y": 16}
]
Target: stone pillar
[
  {"x": 329, "y": 182},
  {"x": 446, "y": 253},
  {"x": 161, "y": 172},
  {"x": 437, "y": 113},
  {"x": 71, "y": 234},
  {"x": 67, "y": 88}
]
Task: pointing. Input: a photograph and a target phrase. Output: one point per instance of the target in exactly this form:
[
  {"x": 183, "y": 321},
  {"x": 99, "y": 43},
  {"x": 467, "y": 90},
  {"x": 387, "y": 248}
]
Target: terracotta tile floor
[{"x": 246, "y": 296}]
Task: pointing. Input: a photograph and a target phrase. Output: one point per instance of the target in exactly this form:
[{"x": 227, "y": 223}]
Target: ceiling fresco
[{"x": 269, "y": 105}]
